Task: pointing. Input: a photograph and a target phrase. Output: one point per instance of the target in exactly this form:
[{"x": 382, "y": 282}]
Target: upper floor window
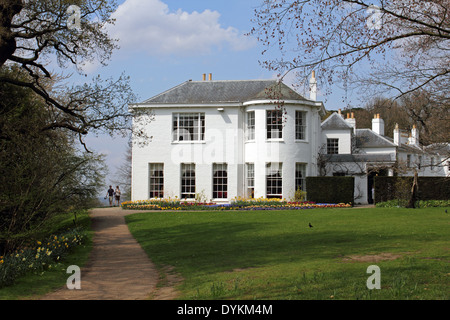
[
  {"x": 274, "y": 124},
  {"x": 188, "y": 126},
  {"x": 250, "y": 126},
  {"x": 332, "y": 146},
  {"x": 300, "y": 125}
]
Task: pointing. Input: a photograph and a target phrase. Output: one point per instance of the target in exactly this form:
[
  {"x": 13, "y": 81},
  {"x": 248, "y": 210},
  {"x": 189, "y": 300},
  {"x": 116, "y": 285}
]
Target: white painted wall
[
  {"x": 225, "y": 143},
  {"x": 344, "y": 136}
]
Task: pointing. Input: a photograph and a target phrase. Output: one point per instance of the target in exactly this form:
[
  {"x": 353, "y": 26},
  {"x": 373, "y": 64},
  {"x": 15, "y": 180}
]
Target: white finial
[{"x": 313, "y": 86}]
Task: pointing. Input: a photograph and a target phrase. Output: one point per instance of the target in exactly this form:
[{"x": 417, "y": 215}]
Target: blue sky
[{"x": 166, "y": 42}]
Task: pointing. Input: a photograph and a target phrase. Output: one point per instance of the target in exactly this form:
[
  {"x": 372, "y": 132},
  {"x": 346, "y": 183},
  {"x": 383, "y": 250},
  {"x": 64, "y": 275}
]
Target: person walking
[
  {"x": 110, "y": 194},
  {"x": 117, "y": 195}
]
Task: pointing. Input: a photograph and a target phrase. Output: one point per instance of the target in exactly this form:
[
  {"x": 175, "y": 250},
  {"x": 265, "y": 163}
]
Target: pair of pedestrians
[{"x": 114, "y": 196}]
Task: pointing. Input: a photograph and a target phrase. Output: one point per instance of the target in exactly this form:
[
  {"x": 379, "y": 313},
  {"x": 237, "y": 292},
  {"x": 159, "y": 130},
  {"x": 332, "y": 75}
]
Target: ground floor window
[
  {"x": 250, "y": 180},
  {"x": 187, "y": 181},
  {"x": 300, "y": 175},
  {"x": 156, "y": 174},
  {"x": 220, "y": 181},
  {"x": 274, "y": 180}
]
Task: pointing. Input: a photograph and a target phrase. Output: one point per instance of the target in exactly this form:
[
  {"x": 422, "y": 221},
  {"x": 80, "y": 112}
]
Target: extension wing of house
[
  {"x": 365, "y": 153},
  {"x": 218, "y": 140}
]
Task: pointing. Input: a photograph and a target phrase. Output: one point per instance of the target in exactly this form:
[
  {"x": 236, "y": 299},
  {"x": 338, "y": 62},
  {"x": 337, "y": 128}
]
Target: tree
[
  {"x": 42, "y": 172},
  {"x": 72, "y": 32},
  {"x": 395, "y": 48}
]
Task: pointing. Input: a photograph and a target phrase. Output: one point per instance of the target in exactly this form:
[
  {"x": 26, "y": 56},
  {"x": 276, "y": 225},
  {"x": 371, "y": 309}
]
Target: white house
[{"x": 250, "y": 138}]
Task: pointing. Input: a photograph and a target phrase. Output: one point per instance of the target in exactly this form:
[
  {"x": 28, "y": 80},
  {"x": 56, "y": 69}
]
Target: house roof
[
  {"x": 335, "y": 122},
  {"x": 228, "y": 91},
  {"x": 384, "y": 157},
  {"x": 438, "y": 148},
  {"x": 410, "y": 148},
  {"x": 366, "y": 138}
]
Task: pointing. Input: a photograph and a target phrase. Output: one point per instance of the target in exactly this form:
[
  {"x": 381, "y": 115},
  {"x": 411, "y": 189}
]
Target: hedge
[
  {"x": 394, "y": 188},
  {"x": 330, "y": 189}
]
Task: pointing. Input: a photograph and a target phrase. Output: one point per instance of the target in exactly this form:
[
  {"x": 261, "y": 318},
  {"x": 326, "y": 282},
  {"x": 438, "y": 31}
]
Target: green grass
[
  {"x": 275, "y": 255},
  {"x": 32, "y": 285}
]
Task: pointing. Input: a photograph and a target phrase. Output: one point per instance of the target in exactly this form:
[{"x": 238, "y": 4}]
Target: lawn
[
  {"x": 276, "y": 255},
  {"x": 38, "y": 282}
]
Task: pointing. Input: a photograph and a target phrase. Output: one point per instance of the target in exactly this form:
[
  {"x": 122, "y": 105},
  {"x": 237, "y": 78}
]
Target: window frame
[
  {"x": 158, "y": 181},
  {"x": 220, "y": 182},
  {"x": 301, "y": 129},
  {"x": 188, "y": 167},
  {"x": 300, "y": 181},
  {"x": 333, "y": 145},
  {"x": 250, "y": 124},
  {"x": 274, "y": 182},
  {"x": 181, "y": 129},
  {"x": 274, "y": 127},
  {"x": 250, "y": 180}
]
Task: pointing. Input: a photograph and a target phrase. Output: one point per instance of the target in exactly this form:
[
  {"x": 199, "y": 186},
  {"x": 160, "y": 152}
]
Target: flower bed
[
  {"x": 42, "y": 256},
  {"x": 235, "y": 204}
]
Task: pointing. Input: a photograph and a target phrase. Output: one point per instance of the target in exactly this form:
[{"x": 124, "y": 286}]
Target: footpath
[{"x": 118, "y": 268}]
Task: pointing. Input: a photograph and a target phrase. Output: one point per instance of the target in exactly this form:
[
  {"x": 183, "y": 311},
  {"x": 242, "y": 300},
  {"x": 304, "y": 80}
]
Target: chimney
[
  {"x": 378, "y": 125},
  {"x": 351, "y": 120},
  {"x": 340, "y": 113},
  {"x": 414, "y": 138},
  {"x": 397, "y": 135},
  {"x": 204, "y": 77},
  {"x": 210, "y": 77},
  {"x": 313, "y": 87}
]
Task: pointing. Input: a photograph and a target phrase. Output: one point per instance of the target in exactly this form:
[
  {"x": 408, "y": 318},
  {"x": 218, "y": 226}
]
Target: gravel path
[{"x": 118, "y": 268}]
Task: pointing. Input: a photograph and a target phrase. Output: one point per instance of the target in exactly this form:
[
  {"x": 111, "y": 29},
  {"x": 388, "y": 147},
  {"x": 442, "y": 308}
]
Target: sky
[{"x": 166, "y": 42}]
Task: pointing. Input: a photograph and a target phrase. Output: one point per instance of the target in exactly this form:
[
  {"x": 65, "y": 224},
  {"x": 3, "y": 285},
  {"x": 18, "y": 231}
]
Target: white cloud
[{"x": 149, "y": 26}]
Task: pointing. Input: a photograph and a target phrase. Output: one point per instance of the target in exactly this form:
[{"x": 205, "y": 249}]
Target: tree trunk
[
  {"x": 414, "y": 189},
  {"x": 8, "y": 9}
]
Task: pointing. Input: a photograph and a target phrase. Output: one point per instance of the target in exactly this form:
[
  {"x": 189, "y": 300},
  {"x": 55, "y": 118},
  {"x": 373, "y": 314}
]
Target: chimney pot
[
  {"x": 210, "y": 76},
  {"x": 204, "y": 76}
]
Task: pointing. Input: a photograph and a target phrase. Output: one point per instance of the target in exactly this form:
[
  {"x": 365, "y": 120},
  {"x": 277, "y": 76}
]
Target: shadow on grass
[{"x": 216, "y": 247}]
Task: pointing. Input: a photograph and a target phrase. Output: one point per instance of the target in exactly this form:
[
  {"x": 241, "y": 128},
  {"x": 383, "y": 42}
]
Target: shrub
[
  {"x": 430, "y": 188},
  {"x": 331, "y": 189},
  {"x": 419, "y": 204}
]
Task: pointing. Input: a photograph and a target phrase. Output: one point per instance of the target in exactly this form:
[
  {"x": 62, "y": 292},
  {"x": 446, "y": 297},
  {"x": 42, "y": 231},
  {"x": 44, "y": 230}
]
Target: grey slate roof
[
  {"x": 335, "y": 122},
  {"x": 232, "y": 91},
  {"x": 366, "y": 138},
  {"x": 359, "y": 157},
  {"x": 407, "y": 147},
  {"x": 439, "y": 148}
]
